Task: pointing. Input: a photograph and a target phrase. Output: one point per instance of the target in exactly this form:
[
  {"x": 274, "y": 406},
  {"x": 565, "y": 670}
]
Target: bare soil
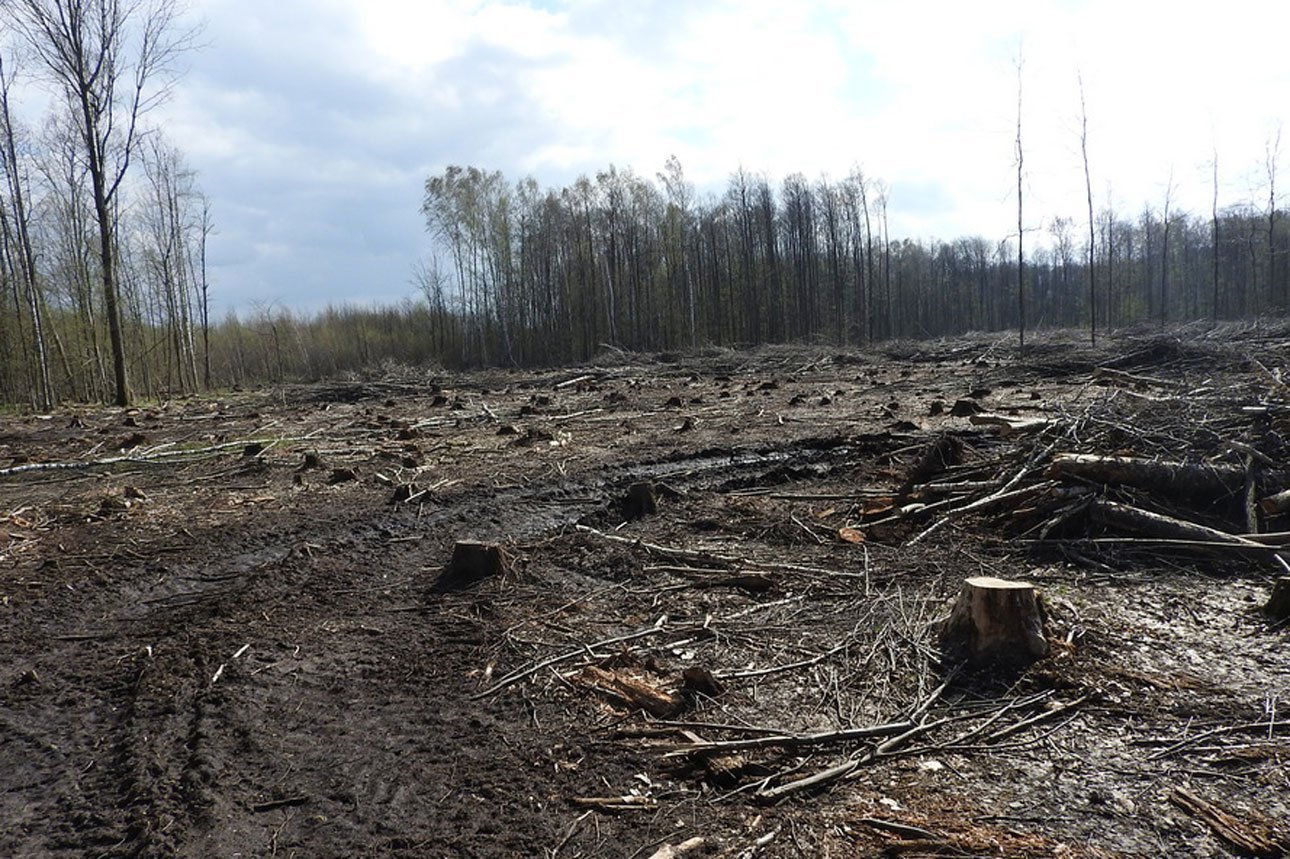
[{"x": 222, "y": 636}]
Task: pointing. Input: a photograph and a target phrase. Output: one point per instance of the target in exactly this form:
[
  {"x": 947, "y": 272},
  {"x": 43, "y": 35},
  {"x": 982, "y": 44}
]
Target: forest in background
[
  {"x": 529, "y": 275},
  {"x": 104, "y": 289}
]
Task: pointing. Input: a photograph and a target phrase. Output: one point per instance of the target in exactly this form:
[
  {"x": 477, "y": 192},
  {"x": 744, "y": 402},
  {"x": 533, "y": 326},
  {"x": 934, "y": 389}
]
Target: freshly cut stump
[
  {"x": 1278, "y": 607},
  {"x": 996, "y": 620}
]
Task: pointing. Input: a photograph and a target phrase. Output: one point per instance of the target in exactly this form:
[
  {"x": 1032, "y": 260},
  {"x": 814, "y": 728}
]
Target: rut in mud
[{"x": 252, "y": 660}]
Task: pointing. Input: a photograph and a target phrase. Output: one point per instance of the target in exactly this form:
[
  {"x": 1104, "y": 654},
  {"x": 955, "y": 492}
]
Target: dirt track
[{"x": 252, "y": 659}]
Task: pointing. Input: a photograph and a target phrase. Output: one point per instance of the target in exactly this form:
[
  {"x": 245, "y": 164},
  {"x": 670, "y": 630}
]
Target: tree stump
[
  {"x": 472, "y": 561},
  {"x": 640, "y": 501},
  {"x": 1278, "y": 607},
  {"x": 996, "y": 620}
]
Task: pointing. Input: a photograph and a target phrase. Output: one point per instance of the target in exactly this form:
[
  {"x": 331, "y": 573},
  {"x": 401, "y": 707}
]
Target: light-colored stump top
[{"x": 991, "y": 583}]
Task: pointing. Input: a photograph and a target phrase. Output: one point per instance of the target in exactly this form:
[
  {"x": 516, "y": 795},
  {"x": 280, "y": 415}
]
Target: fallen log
[
  {"x": 1128, "y": 518},
  {"x": 1008, "y": 425},
  {"x": 996, "y": 620},
  {"x": 1172, "y": 477}
]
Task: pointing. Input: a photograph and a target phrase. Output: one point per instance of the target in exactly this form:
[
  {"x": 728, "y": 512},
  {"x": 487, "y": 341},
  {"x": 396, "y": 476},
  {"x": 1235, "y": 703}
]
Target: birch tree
[{"x": 111, "y": 61}]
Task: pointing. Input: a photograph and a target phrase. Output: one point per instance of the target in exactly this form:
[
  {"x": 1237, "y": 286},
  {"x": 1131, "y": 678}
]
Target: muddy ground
[{"x": 223, "y": 637}]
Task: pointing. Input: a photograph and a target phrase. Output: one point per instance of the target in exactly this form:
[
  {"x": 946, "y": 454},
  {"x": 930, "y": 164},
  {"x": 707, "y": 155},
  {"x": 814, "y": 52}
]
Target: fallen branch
[
  {"x": 1040, "y": 717},
  {"x": 1270, "y": 727},
  {"x": 629, "y": 802},
  {"x": 980, "y": 504},
  {"x": 901, "y": 829},
  {"x": 569, "y": 383},
  {"x": 635, "y": 693},
  {"x": 1008, "y": 426},
  {"x": 666, "y": 551},
  {"x": 158, "y": 457},
  {"x": 1110, "y": 375},
  {"x": 794, "y": 741},
  {"x": 516, "y": 676},
  {"x": 1250, "y": 837},
  {"x": 819, "y": 779}
]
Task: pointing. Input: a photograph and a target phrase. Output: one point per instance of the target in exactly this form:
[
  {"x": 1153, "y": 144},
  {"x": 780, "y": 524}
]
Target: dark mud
[{"x": 250, "y": 660}]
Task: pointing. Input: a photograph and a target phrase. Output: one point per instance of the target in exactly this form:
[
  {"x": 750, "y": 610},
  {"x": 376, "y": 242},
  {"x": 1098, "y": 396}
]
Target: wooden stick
[
  {"x": 796, "y": 740},
  {"x": 1270, "y": 727},
  {"x": 828, "y": 776},
  {"x": 630, "y": 802},
  {"x": 1047, "y": 714},
  {"x": 901, "y": 829},
  {"x": 516, "y": 676},
  {"x": 673, "y": 851}
]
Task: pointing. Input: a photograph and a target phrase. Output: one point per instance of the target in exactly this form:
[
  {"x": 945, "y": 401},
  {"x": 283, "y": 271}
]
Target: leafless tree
[
  {"x": 21, "y": 245},
  {"x": 112, "y": 61},
  {"x": 1088, "y": 190},
  {"x": 1021, "y": 255}
]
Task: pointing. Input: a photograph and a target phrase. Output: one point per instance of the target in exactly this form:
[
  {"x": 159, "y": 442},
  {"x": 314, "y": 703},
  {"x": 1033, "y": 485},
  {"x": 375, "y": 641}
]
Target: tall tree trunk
[{"x": 1092, "y": 235}]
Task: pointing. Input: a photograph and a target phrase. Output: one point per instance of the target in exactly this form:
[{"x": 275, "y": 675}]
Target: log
[
  {"x": 1278, "y": 607},
  {"x": 1173, "y": 477},
  {"x": 1136, "y": 520},
  {"x": 1276, "y": 503},
  {"x": 1008, "y": 425},
  {"x": 996, "y": 620}
]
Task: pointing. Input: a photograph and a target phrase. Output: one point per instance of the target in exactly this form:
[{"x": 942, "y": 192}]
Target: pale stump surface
[{"x": 996, "y": 620}]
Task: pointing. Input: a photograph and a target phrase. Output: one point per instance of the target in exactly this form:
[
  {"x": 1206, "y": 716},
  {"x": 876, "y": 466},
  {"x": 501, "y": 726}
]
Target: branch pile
[{"x": 1154, "y": 464}]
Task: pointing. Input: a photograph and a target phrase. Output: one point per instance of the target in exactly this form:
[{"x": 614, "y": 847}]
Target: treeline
[
  {"x": 533, "y": 276},
  {"x": 537, "y": 276},
  {"x": 546, "y": 275}
]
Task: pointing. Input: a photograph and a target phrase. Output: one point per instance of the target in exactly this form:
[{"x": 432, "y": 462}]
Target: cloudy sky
[{"x": 314, "y": 123}]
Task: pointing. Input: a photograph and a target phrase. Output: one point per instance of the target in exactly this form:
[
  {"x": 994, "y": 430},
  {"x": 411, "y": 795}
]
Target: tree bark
[{"x": 1172, "y": 477}]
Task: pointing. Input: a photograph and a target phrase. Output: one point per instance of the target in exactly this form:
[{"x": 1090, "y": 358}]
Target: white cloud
[{"x": 362, "y": 98}]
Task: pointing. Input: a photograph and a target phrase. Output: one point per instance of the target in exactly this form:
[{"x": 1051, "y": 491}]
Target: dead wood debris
[{"x": 1250, "y": 836}]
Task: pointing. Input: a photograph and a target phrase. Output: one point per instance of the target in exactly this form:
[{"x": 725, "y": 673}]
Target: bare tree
[
  {"x": 112, "y": 61},
  {"x": 1088, "y": 190},
  {"x": 205, "y": 228},
  {"x": 1164, "y": 249},
  {"x": 1021, "y": 255},
  {"x": 16, "y": 185},
  {"x": 1214, "y": 255},
  {"x": 1272, "y": 155}
]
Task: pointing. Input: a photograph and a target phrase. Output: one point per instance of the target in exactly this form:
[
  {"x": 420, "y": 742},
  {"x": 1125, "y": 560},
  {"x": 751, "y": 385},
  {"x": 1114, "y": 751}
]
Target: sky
[{"x": 313, "y": 124}]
